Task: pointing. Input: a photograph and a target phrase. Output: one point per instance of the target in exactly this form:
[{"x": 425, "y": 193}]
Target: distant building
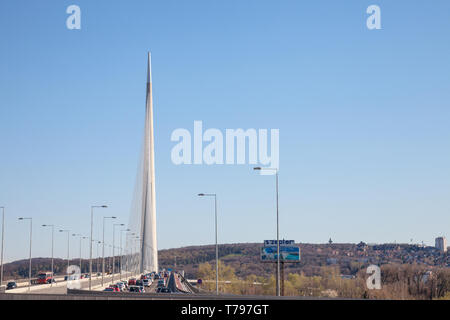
[{"x": 441, "y": 244}]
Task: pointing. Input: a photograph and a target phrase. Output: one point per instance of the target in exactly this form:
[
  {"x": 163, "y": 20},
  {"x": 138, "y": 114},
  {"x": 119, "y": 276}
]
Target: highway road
[
  {"x": 184, "y": 291},
  {"x": 60, "y": 287}
]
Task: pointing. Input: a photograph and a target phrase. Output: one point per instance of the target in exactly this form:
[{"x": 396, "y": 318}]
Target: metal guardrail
[{"x": 101, "y": 295}]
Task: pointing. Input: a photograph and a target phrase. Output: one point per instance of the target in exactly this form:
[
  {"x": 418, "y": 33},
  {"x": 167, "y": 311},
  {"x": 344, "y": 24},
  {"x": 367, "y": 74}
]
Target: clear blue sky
[{"x": 363, "y": 116}]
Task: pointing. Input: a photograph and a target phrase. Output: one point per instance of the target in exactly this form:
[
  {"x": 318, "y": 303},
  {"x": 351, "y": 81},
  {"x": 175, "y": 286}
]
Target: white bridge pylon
[{"x": 141, "y": 253}]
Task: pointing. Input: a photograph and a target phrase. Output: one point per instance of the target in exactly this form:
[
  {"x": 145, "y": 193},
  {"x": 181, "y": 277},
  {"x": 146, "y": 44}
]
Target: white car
[{"x": 146, "y": 282}]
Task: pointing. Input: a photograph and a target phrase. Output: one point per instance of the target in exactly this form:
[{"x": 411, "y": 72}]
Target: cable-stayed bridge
[
  {"x": 139, "y": 256},
  {"x": 140, "y": 253}
]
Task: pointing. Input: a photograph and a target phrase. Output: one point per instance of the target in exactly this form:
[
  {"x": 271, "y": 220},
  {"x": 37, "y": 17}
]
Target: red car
[
  {"x": 115, "y": 288},
  {"x": 132, "y": 282}
]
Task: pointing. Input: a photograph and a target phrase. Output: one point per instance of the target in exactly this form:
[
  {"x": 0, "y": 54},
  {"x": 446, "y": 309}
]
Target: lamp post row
[{"x": 81, "y": 237}]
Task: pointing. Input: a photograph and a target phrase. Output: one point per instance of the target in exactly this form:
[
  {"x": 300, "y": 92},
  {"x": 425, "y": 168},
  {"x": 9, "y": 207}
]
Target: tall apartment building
[{"x": 441, "y": 244}]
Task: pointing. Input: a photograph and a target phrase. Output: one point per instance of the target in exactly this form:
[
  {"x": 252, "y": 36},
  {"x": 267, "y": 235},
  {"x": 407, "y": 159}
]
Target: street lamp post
[
  {"x": 131, "y": 259},
  {"x": 121, "y": 253},
  {"x": 90, "y": 244},
  {"x": 81, "y": 260},
  {"x": 103, "y": 247},
  {"x": 131, "y": 252},
  {"x": 217, "y": 246},
  {"x": 138, "y": 255},
  {"x": 133, "y": 256},
  {"x": 53, "y": 241},
  {"x": 98, "y": 255},
  {"x": 110, "y": 258},
  {"x": 278, "y": 225},
  {"x": 31, "y": 243},
  {"x": 114, "y": 243},
  {"x": 134, "y": 252},
  {"x": 107, "y": 259},
  {"x": 81, "y": 238},
  {"x": 3, "y": 240},
  {"x": 68, "y": 251}
]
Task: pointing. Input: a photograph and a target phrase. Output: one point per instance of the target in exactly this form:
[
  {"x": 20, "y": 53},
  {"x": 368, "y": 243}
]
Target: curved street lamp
[
  {"x": 90, "y": 244},
  {"x": 278, "y": 225},
  {"x": 217, "y": 246},
  {"x": 68, "y": 250}
]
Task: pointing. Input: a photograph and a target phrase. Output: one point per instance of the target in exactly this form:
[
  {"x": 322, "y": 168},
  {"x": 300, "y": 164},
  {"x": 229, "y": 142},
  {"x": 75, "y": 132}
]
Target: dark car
[
  {"x": 161, "y": 283},
  {"x": 11, "y": 285},
  {"x": 136, "y": 289},
  {"x": 139, "y": 283}
]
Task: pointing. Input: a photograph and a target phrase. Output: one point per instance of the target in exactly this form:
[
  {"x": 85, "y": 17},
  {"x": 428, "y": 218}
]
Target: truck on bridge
[{"x": 45, "y": 278}]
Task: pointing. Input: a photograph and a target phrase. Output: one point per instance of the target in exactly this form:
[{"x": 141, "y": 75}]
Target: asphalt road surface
[{"x": 61, "y": 287}]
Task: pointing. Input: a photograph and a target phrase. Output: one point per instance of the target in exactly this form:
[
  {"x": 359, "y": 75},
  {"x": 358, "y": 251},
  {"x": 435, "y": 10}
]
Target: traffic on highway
[{"x": 162, "y": 282}]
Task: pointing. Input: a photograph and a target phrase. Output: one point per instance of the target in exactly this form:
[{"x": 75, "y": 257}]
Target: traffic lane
[
  {"x": 60, "y": 279},
  {"x": 61, "y": 288},
  {"x": 25, "y": 284}
]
